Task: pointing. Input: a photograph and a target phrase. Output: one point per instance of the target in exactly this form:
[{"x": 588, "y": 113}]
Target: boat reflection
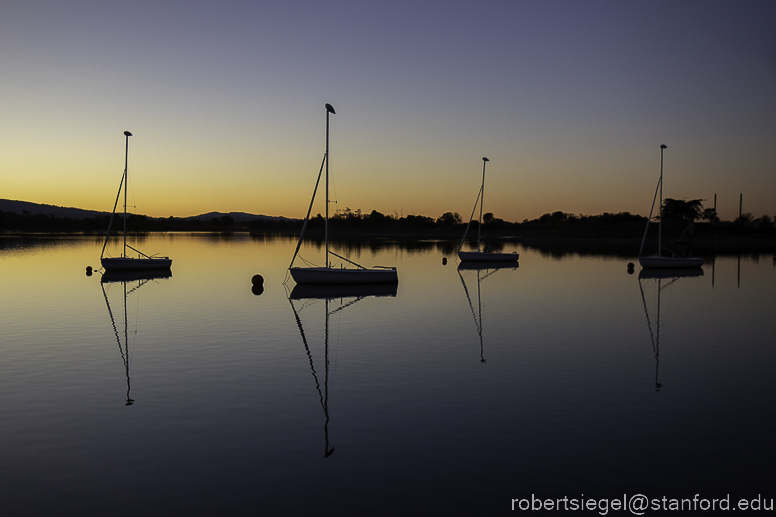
[
  {"x": 671, "y": 273},
  {"x": 663, "y": 278},
  {"x": 484, "y": 270},
  {"x": 335, "y": 291},
  {"x": 479, "y": 266},
  {"x": 341, "y": 297},
  {"x": 137, "y": 275},
  {"x": 124, "y": 278}
]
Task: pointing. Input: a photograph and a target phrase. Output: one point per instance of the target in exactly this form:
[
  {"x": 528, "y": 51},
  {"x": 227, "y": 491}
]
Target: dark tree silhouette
[
  {"x": 681, "y": 209},
  {"x": 449, "y": 218}
]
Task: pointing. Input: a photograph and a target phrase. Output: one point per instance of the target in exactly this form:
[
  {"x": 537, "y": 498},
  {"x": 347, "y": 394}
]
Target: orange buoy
[
  {"x": 257, "y": 280},
  {"x": 257, "y": 289}
]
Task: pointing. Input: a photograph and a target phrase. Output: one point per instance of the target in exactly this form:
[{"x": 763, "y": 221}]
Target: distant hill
[
  {"x": 26, "y": 207},
  {"x": 239, "y": 217},
  {"x": 22, "y": 207}
]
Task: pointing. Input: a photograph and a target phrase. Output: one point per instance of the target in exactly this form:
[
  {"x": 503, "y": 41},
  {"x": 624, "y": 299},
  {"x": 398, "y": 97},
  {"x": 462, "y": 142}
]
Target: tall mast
[
  {"x": 329, "y": 109},
  {"x": 126, "y": 183},
  {"x": 660, "y": 206},
  {"x": 482, "y": 201}
]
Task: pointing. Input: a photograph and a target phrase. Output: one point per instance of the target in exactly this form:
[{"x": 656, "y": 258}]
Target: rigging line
[
  {"x": 327, "y": 451},
  {"x": 646, "y": 313},
  {"x": 126, "y": 333},
  {"x": 657, "y": 331},
  {"x": 346, "y": 260},
  {"x": 470, "y": 221},
  {"x": 479, "y": 306},
  {"x": 649, "y": 219},
  {"x": 307, "y": 262},
  {"x": 333, "y": 184},
  {"x": 110, "y": 223},
  {"x": 336, "y": 349},
  {"x": 309, "y": 355},
  {"x": 132, "y": 193},
  {"x": 113, "y": 323},
  {"x": 471, "y": 306},
  {"x": 489, "y": 274},
  {"x": 137, "y": 317},
  {"x": 343, "y": 307},
  {"x": 307, "y": 217},
  {"x": 670, "y": 295}
]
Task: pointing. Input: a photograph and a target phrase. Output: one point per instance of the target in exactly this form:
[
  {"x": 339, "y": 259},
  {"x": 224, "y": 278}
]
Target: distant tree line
[{"x": 679, "y": 217}]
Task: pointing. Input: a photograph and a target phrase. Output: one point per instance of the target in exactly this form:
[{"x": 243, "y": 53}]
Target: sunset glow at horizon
[{"x": 570, "y": 101}]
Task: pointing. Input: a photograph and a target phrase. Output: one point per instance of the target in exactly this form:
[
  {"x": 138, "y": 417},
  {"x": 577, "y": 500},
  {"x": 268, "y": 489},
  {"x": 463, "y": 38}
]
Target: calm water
[{"x": 457, "y": 392}]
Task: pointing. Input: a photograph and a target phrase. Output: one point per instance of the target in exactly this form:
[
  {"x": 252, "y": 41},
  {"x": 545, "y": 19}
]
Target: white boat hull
[
  {"x": 670, "y": 262},
  {"x": 325, "y": 275},
  {"x": 486, "y": 256},
  {"x": 135, "y": 264}
]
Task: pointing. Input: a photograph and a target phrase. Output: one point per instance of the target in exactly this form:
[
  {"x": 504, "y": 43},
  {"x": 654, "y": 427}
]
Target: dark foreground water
[{"x": 454, "y": 394}]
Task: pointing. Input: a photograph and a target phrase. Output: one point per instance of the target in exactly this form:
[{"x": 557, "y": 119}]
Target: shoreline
[{"x": 621, "y": 246}]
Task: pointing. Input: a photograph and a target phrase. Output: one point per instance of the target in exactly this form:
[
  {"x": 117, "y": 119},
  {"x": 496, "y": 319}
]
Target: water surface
[{"x": 459, "y": 391}]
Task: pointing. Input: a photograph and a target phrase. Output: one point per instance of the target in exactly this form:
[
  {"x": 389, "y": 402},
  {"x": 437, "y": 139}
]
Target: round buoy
[
  {"x": 630, "y": 265},
  {"x": 444, "y": 261},
  {"x": 88, "y": 270},
  {"x": 257, "y": 280},
  {"x": 257, "y": 289}
]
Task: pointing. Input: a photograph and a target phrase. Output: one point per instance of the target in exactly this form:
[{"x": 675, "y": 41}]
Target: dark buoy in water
[
  {"x": 257, "y": 280},
  {"x": 444, "y": 261},
  {"x": 88, "y": 270},
  {"x": 630, "y": 268},
  {"x": 257, "y": 289}
]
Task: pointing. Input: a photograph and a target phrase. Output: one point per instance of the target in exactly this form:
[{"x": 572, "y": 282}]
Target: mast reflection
[
  {"x": 484, "y": 270},
  {"x": 663, "y": 278},
  {"x": 344, "y": 296},
  {"x": 125, "y": 277}
]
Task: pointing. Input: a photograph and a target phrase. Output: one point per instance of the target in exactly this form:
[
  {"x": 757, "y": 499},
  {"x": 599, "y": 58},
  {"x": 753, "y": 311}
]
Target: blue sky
[{"x": 570, "y": 100}]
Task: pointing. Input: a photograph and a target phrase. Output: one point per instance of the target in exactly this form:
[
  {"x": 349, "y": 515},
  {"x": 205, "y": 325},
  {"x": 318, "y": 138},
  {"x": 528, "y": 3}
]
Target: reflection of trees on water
[
  {"x": 574, "y": 248},
  {"x": 356, "y": 246}
]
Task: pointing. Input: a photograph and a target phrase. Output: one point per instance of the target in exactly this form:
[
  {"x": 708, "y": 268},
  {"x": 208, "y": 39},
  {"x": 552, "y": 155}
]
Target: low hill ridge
[{"x": 21, "y": 207}]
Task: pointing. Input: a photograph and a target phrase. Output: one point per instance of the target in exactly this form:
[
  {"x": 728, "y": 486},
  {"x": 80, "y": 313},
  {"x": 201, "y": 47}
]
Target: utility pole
[
  {"x": 740, "y": 205},
  {"x": 714, "y": 219}
]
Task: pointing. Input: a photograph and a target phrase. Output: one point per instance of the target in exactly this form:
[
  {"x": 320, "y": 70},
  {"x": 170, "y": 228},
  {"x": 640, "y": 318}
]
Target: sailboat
[
  {"x": 327, "y": 274},
  {"x": 482, "y": 255},
  {"x": 659, "y": 261},
  {"x": 125, "y": 262}
]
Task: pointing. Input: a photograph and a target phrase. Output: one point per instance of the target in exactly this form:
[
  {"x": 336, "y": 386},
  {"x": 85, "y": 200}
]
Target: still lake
[{"x": 456, "y": 392}]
